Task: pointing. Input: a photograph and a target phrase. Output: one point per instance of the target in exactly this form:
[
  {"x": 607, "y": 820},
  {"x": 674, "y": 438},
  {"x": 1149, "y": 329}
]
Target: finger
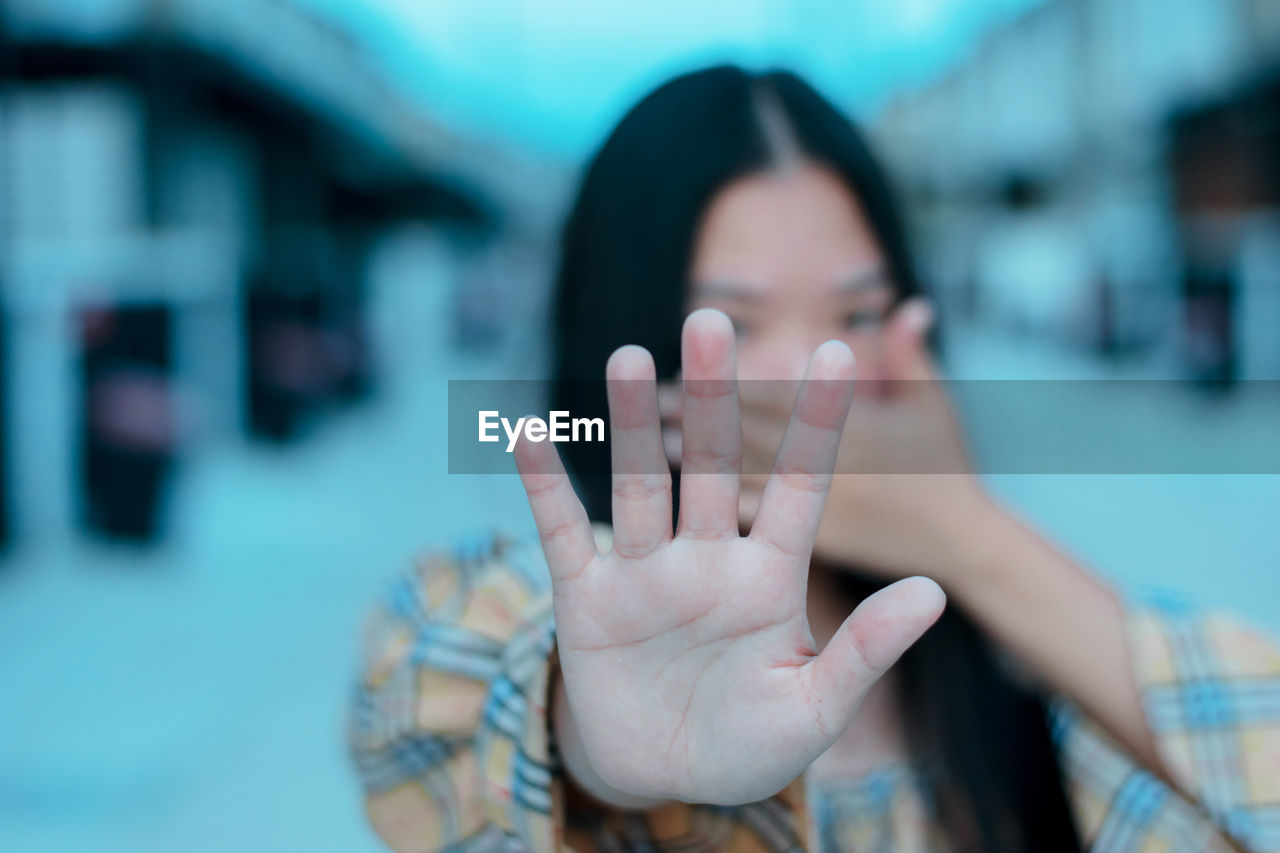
[
  {"x": 562, "y": 522},
  {"x": 641, "y": 478},
  {"x": 870, "y": 641},
  {"x": 906, "y": 348},
  {"x": 791, "y": 506},
  {"x": 711, "y": 437}
]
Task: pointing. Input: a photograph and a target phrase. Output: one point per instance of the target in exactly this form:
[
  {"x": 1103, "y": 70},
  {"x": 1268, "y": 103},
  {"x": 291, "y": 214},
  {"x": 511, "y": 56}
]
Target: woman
[{"x": 726, "y": 682}]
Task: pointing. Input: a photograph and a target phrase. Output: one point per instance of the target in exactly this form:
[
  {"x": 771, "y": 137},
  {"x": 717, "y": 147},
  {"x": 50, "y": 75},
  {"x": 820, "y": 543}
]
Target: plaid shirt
[{"x": 450, "y": 735}]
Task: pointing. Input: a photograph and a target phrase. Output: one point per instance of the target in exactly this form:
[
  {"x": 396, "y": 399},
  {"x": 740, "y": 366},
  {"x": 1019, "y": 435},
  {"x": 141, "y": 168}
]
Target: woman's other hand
[
  {"x": 687, "y": 659},
  {"x": 903, "y": 489}
]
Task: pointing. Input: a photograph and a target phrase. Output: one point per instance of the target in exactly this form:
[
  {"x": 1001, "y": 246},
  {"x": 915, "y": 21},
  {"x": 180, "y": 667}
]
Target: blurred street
[{"x": 206, "y": 678}]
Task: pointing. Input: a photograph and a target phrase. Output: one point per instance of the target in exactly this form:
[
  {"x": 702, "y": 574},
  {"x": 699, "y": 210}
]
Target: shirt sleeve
[
  {"x": 448, "y": 723},
  {"x": 1210, "y": 687}
]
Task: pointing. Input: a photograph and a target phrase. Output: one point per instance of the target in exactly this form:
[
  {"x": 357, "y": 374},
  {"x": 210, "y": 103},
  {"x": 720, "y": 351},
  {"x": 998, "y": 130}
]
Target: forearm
[
  {"x": 578, "y": 765},
  {"x": 1063, "y": 623}
]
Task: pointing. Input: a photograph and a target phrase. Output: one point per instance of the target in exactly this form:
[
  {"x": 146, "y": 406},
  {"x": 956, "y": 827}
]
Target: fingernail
[
  {"x": 836, "y": 342},
  {"x": 842, "y": 345}
]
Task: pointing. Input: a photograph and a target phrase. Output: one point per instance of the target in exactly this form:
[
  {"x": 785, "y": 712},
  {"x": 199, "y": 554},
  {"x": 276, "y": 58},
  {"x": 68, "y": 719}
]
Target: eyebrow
[
  {"x": 872, "y": 278},
  {"x": 725, "y": 289}
]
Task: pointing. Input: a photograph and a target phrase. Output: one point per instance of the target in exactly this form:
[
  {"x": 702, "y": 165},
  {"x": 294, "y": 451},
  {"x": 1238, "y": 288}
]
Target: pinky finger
[{"x": 563, "y": 526}]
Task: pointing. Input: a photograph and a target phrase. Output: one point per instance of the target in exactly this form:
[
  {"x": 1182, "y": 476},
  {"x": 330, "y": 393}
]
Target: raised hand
[{"x": 687, "y": 659}]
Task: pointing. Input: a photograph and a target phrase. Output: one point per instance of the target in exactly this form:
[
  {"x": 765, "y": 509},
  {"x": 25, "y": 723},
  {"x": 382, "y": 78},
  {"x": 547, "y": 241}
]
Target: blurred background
[{"x": 245, "y": 243}]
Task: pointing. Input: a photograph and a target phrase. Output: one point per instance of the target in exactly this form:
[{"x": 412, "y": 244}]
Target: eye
[{"x": 865, "y": 320}]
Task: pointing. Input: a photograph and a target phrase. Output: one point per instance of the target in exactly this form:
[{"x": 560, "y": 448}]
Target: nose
[{"x": 795, "y": 358}]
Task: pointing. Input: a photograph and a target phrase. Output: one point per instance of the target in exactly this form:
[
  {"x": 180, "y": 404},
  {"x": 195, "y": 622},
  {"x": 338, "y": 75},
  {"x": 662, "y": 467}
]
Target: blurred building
[
  {"x": 1105, "y": 172},
  {"x": 190, "y": 193}
]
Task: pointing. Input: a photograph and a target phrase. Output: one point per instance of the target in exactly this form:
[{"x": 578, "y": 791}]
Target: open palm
[{"x": 686, "y": 655}]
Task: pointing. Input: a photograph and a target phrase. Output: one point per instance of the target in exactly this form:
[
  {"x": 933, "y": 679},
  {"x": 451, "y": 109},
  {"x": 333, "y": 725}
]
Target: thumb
[
  {"x": 870, "y": 641},
  {"x": 906, "y": 353}
]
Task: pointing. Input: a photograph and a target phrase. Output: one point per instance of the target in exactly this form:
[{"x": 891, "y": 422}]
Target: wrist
[{"x": 969, "y": 540}]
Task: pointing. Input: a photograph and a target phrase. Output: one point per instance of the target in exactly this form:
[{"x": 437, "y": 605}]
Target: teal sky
[{"x": 552, "y": 75}]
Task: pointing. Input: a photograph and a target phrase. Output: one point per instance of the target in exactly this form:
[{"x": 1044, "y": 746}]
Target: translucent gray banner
[{"x": 1003, "y": 426}]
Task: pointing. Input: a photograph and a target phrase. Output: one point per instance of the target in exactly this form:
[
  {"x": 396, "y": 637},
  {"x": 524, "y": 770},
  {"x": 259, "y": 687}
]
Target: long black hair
[{"x": 982, "y": 737}]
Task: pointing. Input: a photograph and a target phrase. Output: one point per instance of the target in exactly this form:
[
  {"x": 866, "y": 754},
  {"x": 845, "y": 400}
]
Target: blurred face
[{"x": 792, "y": 260}]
